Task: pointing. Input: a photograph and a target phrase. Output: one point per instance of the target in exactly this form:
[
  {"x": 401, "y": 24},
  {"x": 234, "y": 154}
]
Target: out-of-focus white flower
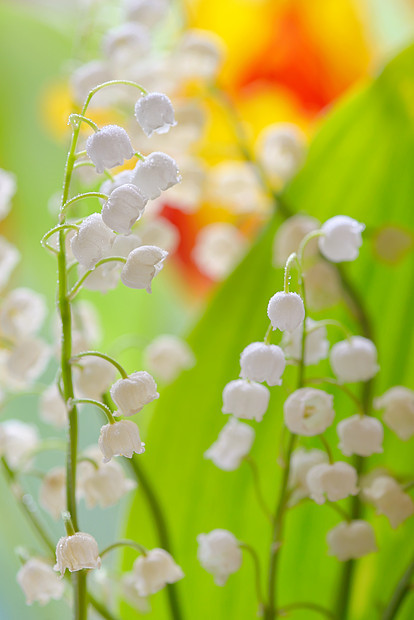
[
  {"x": 390, "y": 500},
  {"x": 27, "y": 361},
  {"x": 124, "y": 45},
  {"x": 354, "y": 360},
  {"x": 123, "y": 208},
  {"x": 132, "y": 394},
  {"x": 245, "y": 399},
  {"x": 52, "y": 408},
  {"x": 93, "y": 376},
  {"x": 234, "y": 185},
  {"x": 109, "y": 147},
  {"x": 155, "y": 174},
  {"x": 323, "y": 285},
  {"x": 191, "y": 121},
  {"x": 289, "y": 235},
  {"x": 286, "y": 311},
  {"x": 232, "y": 445},
  {"x": 86, "y": 320},
  {"x": 86, "y": 77},
  {"x": 155, "y": 113},
  {"x": 142, "y": 265},
  {"x": 218, "y": 249},
  {"x": 350, "y": 541},
  {"x": 130, "y": 593},
  {"x": 167, "y": 356},
  {"x": 161, "y": 233},
  {"x": 187, "y": 195},
  {"x": 199, "y": 55},
  {"x": 282, "y": 150},
  {"x": 262, "y": 362},
  {"x": 92, "y": 242},
  {"x": 22, "y": 313},
  {"x": 341, "y": 239},
  {"x": 120, "y": 439},
  {"x": 39, "y": 582},
  {"x": 154, "y": 570},
  {"x": 335, "y": 481},
  {"x": 219, "y": 554},
  {"x": 398, "y": 403},
  {"x": 77, "y": 552},
  {"x": 9, "y": 257},
  {"x": 122, "y": 178},
  {"x": 300, "y": 463},
  {"x": 17, "y": 441},
  {"x": 308, "y": 411},
  {"x": 316, "y": 343},
  {"x": 362, "y": 435},
  {"x": 52, "y": 493},
  {"x": 146, "y": 12},
  {"x": 8, "y": 188}
]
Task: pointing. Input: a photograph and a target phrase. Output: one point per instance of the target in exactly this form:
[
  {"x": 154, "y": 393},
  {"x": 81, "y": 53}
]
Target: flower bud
[
  {"x": 398, "y": 403},
  {"x": 218, "y": 249},
  {"x": 154, "y": 570},
  {"x": 167, "y": 356},
  {"x": 155, "y": 174},
  {"x": 52, "y": 408},
  {"x": 285, "y": 311},
  {"x": 245, "y": 399},
  {"x": 17, "y": 441},
  {"x": 77, "y": 552},
  {"x": 350, "y": 541},
  {"x": 219, "y": 554},
  {"x": 123, "y": 208},
  {"x": 262, "y": 362},
  {"x": 120, "y": 439},
  {"x": 282, "y": 150},
  {"x": 142, "y": 265},
  {"x": 336, "y": 481},
  {"x": 93, "y": 376},
  {"x": 52, "y": 493},
  {"x": 39, "y": 582},
  {"x": 316, "y": 343},
  {"x": 390, "y": 500},
  {"x": 362, "y": 435},
  {"x": 22, "y": 313},
  {"x": 341, "y": 239},
  {"x": 108, "y": 147},
  {"x": 9, "y": 257},
  {"x": 92, "y": 242},
  {"x": 131, "y": 394},
  {"x": 300, "y": 463},
  {"x": 289, "y": 235},
  {"x": 354, "y": 360},
  {"x": 155, "y": 113},
  {"x": 233, "y": 444},
  {"x": 308, "y": 412}
]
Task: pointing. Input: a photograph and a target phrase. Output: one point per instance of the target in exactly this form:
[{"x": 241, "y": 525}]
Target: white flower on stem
[
  {"x": 390, "y": 500},
  {"x": 286, "y": 311},
  {"x": 262, "y": 362},
  {"x": 17, "y": 441},
  {"x": 245, "y": 399},
  {"x": 398, "y": 405},
  {"x": 199, "y": 54},
  {"x": 142, "y": 265},
  {"x": 332, "y": 482},
  {"x": 52, "y": 493},
  {"x": 219, "y": 553},
  {"x": 9, "y": 257},
  {"x": 282, "y": 150},
  {"x": 131, "y": 394},
  {"x": 155, "y": 174},
  {"x": 354, "y": 360},
  {"x": 232, "y": 445},
  {"x": 218, "y": 249},
  {"x": 93, "y": 376},
  {"x": 146, "y": 12},
  {"x": 341, "y": 239},
  {"x": 155, "y": 113},
  {"x": 234, "y": 185},
  {"x": 122, "y": 178},
  {"x": 86, "y": 77},
  {"x": 323, "y": 285},
  {"x": 77, "y": 552},
  {"x": 362, "y": 435},
  {"x": 300, "y": 463},
  {"x": 109, "y": 147},
  {"x": 289, "y": 235},
  {"x": 39, "y": 582},
  {"x": 125, "y": 44},
  {"x": 22, "y": 313},
  {"x": 350, "y": 541},
  {"x": 187, "y": 195},
  {"x": 28, "y": 360},
  {"x": 154, "y": 570},
  {"x": 8, "y": 188},
  {"x": 316, "y": 343},
  {"x": 167, "y": 356},
  {"x": 308, "y": 411},
  {"x": 120, "y": 439},
  {"x": 161, "y": 233},
  {"x": 85, "y": 318},
  {"x": 92, "y": 242},
  {"x": 123, "y": 208},
  {"x": 130, "y": 593},
  {"x": 52, "y": 408}
]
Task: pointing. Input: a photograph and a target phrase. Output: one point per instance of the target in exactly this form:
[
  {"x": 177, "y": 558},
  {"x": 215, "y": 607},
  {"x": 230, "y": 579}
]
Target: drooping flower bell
[
  {"x": 155, "y": 113},
  {"x": 286, "y": 311},
  {"x": 52, "y": 408},
  {"x": 199, "y": 54},
  {"x": 17, "y": 441},
  {"x": 142, "y": 265},
  {"x": 131, "y": 394},
  {"x": 108, "y": 147},
  {"x": 316, "y": 343},
  {"x": 76, "y": 552},
  {"x": 232, "y": 445},
  {"x": 362, "y": 435},
  {"x": 398, "y": 403},
  {"x": 154, "y": 570},
  {"x": 155, "y": 174},
  {"x": 353, "y": 540},
  {"x": 123, "y": 208},
  {"x": 245, "y": 399},
  {"x": 52, "y": 493},
  {"x": 262, "y": 362},
  {"x": 92, "y": 377},
  {"x": 167, "y": 356},
  {"x": 308, "y": 411},
  {"x": 39, "y": 582},
  {"x": 219, "y": 553},
  {"x": 289, "y": 235},
  {"x": 22, "y": 313},
  {"x": 282, "y": 150},
  {"x": 390, "y": 500},
  {"x": 92, "y": 242},
  {"x": 300, "y": 463},
  {"x": 219, "y": 247},
  {"x": 332, "y": 482},
  {"x": 354, "y": 360},
  {"x": 146, "y": 12},
  {"x": 341, "y": 238},
  {"x": 120, "y": 439}
]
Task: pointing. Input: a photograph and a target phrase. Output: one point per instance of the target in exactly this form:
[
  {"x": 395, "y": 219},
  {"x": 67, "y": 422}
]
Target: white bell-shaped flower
[
  {"x": 187, "y": 196},
  {"x": 122, "y": 178},
  {"x": 323, "y": 285},
  {"x": 77, "y": 552},
  {"x": 232, "y": 445},
  {"x": 52, "y": 493},
  {"x": 246, "y": 399},
  {"x": 289, "y": 235},
  {"x": 146, "y": 12},
  {"x": 300, "y": 463},
  {"x": 131, "y": 596},
  {"x": 362, "y": 435},
  {"x": 398, "y": 405},
  {"x": 155, "y": 113},
  {"x": 167, "y": 356},
  {"x": 8, "y": 188},
  {"x": 160, "y": 232},
  {"x": 350, "y": 541},
  {"x": 123, "y": 208},
  {"x": 132, "y": 394},
  {"x": 332, "y": 482},
  {"x": 125, "y": 44},
  {"x": 92, "y": 242},
  {"x": 22, "y": 313},
  {"x": 93, "y": 376},
  {"x": 52, "y": 408},
  {"x": 390, "y": 500},
  {"x": 262, "y": 362},
  {"x": 286, "y": 311},
  {"x": 109, "y": 147},
  {"x": 199, "y": 54},
  {"x": 155, "y": 174},
  {"x": 39, "y": 582},
  {"x": 218, "y": 249},
  {"x": 341, "y": 238},
  {"x": 308, "y": 411},
  {"x": 154, "y": 570},
  {"x": 142, "y": 265},
  {"x": 235, "y": 186},
  {"x": 316, "y": 343},
  {"x": 282, "y": 150},
  {"x": 219, "y": 553},
  {"x": 17, "y": 441},
  {"x": 354, "y": 360},
  {"x": 28, "y": 360},
  {"x": 86, "y": 77},
  {"x": 120, "y": 439},
  {"x": 9, "y": 257}
]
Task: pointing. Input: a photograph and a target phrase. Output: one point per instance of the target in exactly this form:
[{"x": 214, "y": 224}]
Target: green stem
[
  {"x": 108, "y": 358},
  {"x": 111, "y": 83},
  {"x": 257, "y": 487},
  {"x": 124, "y": 543},
  {"x": 81, "y": 197},
  {"x": 346, "y": 390},
  {"x": 75, "y": 289},
  {"x": 311, "y": 606},
  {"x": 403, "y": 587},
  {"x": 80, "y": 118},
  {"x": 289, "y": 263},
  {"x": 257, "y": 572},
  {"x": 101, "y": 406}
]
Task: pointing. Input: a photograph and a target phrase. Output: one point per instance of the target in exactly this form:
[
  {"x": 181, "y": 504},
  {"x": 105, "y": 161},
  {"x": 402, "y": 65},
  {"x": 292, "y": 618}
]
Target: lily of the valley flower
[
  {"x": 155, "y": 113},
  {"x": 219, "y": 553},
  {"x": 300, "y": 463},
  {"x": 316, "y": 343},
  {"x": 232, "y": 445},
  {"x": 398, "y": 403},
  {"x": 108, "y": 147},
  {"x": 286, "y": 311},
  {"x": 245, "y": 399},
  {"x": 354, "y": 360},
  {"x": 52, "y": 408},
  {"x": 362, "y": 435},
  {"x": 123, "y": 208},
  {"x": 52, "y": 493},
  {"x": 17, "y": 441},
  {"x": 341, "y": 238},
  {"x": 120, "y": 439},
  {"x": 142, "y": 265},
  {"x": 335, "y": 481},
  {"x": 167, "y": 356},
  {"x": 262, "y": 362},
  {"x": 308, "y": 411},
  {"x": 133, "y": 393},
  {"x": 76, "y": 552},
  {"x": 92, "y": 241},
  {"x": 22, "y": 313},
  {"x": 390, "y": 500},
  {"x": 154, "y": 570},
  {"x": 350, "y": 541},
  {"x": 93, "y": 376},
  {"x": 155, "y": 174},
  {"x": 39, "y": 582}
]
